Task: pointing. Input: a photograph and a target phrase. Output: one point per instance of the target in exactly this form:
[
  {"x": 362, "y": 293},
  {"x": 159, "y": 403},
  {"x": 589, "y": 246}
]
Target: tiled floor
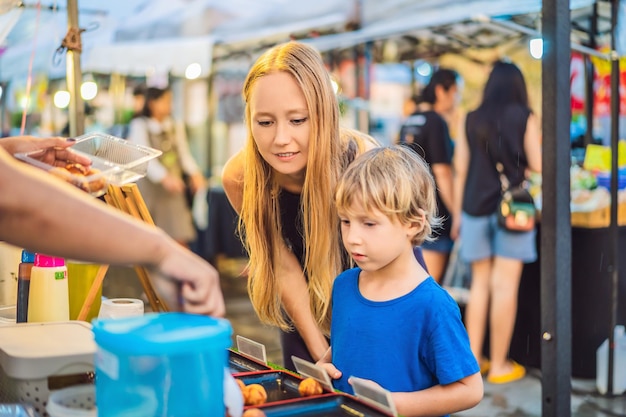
[{"x": 518, "y": 399}]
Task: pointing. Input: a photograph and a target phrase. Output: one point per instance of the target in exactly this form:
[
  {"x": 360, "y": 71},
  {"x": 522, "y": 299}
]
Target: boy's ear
[{"x": 415, "y": 227}]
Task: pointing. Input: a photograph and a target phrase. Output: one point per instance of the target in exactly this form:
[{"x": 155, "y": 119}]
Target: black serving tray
[
  {"x": 239, "y": 363},
  {"x": 329, "y": 405},
  {"x": 279, "y": 385}
]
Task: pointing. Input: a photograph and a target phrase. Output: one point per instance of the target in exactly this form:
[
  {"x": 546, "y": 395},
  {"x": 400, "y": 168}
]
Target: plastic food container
[
  {"x": 37, "y": 358},
  {"x": 116, "y": 160},
  {"x": 173, "y": 362},
  {"x": 279, "y": 385}
]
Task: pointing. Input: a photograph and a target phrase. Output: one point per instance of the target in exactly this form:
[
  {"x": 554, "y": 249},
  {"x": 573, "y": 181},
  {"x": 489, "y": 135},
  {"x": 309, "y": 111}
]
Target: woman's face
[
  {"x": 280, "y": 123},
  {"x": 162, "y": 106},
  {"x": 447, "y": 99}
]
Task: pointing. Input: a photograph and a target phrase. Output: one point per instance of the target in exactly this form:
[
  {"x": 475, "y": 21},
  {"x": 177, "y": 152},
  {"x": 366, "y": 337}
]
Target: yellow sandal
[{"x": 518, "y": 372}]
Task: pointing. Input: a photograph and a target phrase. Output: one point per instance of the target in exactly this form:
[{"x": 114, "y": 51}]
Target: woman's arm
[
  {"x": 295, "y": 299},
  {"x": 532, "y": 143},
  {"x": 460, "y": 163},
  {"x": 444, "y": 180},
  {"x": 44, "y": 214},
  {"x": 294, "y": 293},
  {"x": 441, "y": 399}
]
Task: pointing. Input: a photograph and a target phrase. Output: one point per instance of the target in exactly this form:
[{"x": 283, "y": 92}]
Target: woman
[
  {"x": 281, "y": 184},
  {"x": 503, "y": 129},
  {"x": 426, "y": 132},
  {"x": 164, "y": 189}
]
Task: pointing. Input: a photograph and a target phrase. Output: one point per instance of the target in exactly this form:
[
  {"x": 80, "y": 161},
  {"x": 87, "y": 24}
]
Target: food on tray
[
  {"x": 254, "y": 394},
  {"x": 253, "y": 412},
  {"x": 310, "y": 386},
  {"x": 75, "y": 173}
]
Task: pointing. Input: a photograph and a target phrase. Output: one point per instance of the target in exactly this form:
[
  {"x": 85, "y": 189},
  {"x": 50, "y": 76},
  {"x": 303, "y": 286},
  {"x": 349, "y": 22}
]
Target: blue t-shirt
[{"x": 406, "y": 344}]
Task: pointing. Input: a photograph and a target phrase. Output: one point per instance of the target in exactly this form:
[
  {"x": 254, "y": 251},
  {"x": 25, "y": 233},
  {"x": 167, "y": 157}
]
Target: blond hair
[
  {"x": 260, "y": 221},
  {"x": 395, "y": 181}
]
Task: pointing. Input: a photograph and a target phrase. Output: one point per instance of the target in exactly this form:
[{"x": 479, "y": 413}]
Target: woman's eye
[
  {"x": 370, "y": 224},
  {"x": 345, "y": 222},
  {"x": 264, "y": 123},
  {"x": 299, "y": 121}
]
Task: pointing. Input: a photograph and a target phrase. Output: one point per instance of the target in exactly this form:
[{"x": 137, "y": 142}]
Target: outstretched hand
[
  {"x": 325, "y": 362},
  {"x": 52, "y": 151},
  {"x": 200, "y": 285}
]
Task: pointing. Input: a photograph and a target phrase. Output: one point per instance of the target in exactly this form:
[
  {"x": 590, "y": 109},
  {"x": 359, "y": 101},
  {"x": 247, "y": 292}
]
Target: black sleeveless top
[
  {"x": 291, "y": 223},
  {"x": 502, "y": 140}
]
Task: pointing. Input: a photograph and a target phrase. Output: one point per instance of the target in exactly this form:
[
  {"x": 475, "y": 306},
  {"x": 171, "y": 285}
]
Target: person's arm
[
  {"x": 532, "y": 143},
  {"x": 461, "y": 164},
  {"x": 188, "y": 163},
  {"x": 52, "y": 151},
  {"x": 294, "y": 293},
  {"x": 440, "y": 399},
  {"x": 444, "y": 180},
  {"x": 138, "y": 134},
  {"x": 295, "y": 300},
  {"x": 44, "y": 214}
]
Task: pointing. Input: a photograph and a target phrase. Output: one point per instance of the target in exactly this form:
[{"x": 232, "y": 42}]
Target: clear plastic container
[
  {"x": 619, "y": 363},
  {"x": 176, "y": 360},
  {"x": 113, "y": 161}
]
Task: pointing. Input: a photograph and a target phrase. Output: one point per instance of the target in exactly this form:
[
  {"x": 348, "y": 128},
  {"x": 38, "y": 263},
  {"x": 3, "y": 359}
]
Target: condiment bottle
[
  {"x": 23, "y": 285},
  {"x": 48, "y": 298}
]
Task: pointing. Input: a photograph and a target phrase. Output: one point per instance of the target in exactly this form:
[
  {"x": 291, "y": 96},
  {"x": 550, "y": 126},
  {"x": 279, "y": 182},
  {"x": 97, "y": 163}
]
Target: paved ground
[{"x": 518, "y": 399}]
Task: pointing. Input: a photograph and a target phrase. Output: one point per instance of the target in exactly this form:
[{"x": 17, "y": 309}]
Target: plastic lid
[
  {"x": 38, "y": 350},
  {"x": 28, "y": 257},
  {"x": 48, "y": 261},
  {"x": 162, "y": 334}
]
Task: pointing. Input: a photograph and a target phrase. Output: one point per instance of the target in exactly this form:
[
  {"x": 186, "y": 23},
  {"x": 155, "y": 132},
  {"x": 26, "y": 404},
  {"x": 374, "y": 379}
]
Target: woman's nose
[{"x": 282, "y": 135}]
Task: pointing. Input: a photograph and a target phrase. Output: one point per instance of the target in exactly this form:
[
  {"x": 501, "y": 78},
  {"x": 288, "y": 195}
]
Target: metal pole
[
  {"x": 589, "y": 76},
  {"x": 614, "y": 228},
  {"x": 556, "y": 232},
  {"x": 74, "y": 76}
]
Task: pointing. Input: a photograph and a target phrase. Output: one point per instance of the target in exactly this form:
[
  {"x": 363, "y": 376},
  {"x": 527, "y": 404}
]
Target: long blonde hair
[{"x": 260, "y": 222}]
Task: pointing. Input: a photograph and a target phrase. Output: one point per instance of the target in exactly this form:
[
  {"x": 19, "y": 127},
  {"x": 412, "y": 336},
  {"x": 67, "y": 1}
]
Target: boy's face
[
  {"x": 372, "y": 239},
  {"x": 280, "y": 123}
]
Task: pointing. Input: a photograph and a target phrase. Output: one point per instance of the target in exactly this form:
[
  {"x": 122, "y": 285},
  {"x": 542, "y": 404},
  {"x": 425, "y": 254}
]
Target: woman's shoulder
[{"x": 232, "y": 178}]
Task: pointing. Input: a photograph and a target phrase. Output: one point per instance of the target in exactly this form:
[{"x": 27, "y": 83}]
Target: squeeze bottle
[
  {"x": 23, "y": 285},
  {"x": 48, "y": 298}
]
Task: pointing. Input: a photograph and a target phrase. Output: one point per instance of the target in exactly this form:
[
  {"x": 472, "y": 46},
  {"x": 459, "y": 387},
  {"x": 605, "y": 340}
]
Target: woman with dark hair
[
  {"x": 502, "y": 130},
  {"x": 163, "y": 189},
  {"x": 426, "y": 132}
]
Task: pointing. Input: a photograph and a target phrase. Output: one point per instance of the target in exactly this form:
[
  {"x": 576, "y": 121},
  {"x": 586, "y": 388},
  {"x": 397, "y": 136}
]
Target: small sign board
[
  {"x": 311, "y": 370},
  {"x": 373, "y": 394},
  {"x": 251, "y": 349}
]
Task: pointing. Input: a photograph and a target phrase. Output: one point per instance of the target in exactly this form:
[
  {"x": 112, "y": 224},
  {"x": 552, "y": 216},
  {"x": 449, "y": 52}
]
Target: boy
[{"x": 391, "y": 322}]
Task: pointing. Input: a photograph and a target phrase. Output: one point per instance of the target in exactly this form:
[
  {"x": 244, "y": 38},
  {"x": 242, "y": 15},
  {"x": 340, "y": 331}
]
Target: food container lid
[
  {"x": 48, "y": 261},
  {"x": 28, "y": 257},
  {"x": 38, "y": 350},
  {"x": 162, "y": 334}
]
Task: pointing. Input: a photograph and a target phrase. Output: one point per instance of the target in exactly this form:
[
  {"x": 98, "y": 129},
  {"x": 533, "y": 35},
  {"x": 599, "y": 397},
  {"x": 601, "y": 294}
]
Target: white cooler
[{"x": 37, "y": 358}]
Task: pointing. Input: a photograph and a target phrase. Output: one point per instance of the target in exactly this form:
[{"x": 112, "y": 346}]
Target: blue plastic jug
[{"x": 161, "y": 364}]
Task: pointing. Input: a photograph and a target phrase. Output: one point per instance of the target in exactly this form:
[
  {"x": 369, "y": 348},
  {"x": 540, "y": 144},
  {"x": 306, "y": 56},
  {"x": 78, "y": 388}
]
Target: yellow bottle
[
  {"x": 48, "y": 298},
  {"x": 80, "y": 277}
]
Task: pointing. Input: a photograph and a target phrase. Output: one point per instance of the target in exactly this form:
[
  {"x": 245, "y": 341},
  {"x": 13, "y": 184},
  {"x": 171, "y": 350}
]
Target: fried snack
[
  {"x": 75, "y": 174},
  {"x": 253, "y": 412},
  {"x": 309, "y": 387},
  {"x": 254, "y": 394}
]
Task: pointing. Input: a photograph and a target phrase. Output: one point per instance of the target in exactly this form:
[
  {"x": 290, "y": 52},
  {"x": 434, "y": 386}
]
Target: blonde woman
[{"x": 282, "y": 184}]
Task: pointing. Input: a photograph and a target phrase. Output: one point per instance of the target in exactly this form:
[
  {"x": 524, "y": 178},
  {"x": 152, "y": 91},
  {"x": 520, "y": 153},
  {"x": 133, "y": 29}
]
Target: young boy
[{"x": 391, "y": 322}]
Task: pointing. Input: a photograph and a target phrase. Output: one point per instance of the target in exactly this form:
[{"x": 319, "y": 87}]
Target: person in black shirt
[{"x": 426, "y": 132}]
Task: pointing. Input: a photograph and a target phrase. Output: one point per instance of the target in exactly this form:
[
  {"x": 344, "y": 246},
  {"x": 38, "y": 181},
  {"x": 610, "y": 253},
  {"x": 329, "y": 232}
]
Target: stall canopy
[
  {"x": 426, "y": 25},
  {"x": 136, "y": 37}
]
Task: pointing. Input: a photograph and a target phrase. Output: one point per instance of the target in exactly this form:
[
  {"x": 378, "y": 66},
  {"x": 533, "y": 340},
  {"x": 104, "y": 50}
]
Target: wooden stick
[{"x": 93, "y": 291}]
